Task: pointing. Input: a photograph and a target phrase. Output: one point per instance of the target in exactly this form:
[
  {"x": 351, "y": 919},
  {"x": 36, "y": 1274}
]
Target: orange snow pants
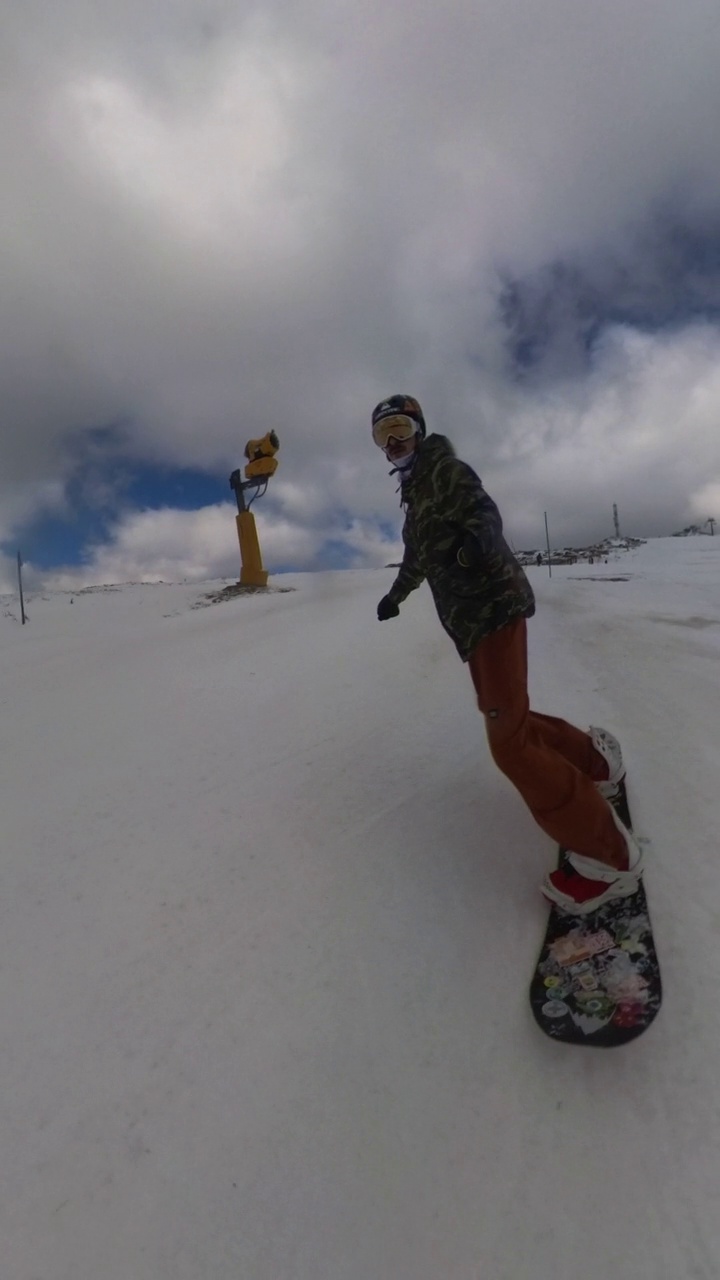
[{"x": 552, "y": 763}]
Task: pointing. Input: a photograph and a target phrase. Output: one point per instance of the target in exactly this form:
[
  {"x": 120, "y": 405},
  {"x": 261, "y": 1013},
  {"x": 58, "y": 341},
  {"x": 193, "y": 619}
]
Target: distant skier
[{"x": 453, "y": 537}]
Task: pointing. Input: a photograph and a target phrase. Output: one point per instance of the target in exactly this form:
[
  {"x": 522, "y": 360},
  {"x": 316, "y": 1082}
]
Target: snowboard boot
[
  {"x": 581, "y": 884},
  {"x": 608, "y": 747}
]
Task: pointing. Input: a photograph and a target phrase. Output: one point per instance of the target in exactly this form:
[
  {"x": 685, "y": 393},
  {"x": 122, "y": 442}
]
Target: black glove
[
  {"x": 467, "y": 552},
  {"x": 387, "y": 608}
]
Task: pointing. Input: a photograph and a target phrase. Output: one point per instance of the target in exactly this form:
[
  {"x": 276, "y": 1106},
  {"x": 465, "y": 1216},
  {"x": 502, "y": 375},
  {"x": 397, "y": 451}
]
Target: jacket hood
[
  {"x": 434, "y": 447},
  {"x": 428, "y": 453}
]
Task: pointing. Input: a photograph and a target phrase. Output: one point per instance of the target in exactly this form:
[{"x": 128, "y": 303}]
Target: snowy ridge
[{"x": 267, "y": 920}]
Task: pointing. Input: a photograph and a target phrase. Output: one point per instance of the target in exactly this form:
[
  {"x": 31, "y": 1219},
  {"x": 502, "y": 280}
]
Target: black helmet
[{"x": 395, "y": 405}]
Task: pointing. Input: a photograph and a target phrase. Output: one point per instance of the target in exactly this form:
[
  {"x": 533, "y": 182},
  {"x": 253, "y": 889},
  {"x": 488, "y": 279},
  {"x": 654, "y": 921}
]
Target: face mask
[{"x": 404, "y": 464}]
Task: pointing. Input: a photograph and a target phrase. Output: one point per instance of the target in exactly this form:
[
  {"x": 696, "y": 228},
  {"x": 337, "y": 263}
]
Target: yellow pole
[{"x": 252, "y": 573}]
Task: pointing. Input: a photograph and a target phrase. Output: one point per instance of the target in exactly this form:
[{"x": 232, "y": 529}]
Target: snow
[{"x": 267, "y": 923}]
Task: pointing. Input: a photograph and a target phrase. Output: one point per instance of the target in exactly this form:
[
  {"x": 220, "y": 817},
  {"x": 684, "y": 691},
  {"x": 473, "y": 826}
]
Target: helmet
[{"x": 404, "y": 405}]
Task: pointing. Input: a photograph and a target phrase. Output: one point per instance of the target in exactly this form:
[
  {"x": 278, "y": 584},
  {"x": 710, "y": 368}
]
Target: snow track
[{"x": 267, "y": 920}]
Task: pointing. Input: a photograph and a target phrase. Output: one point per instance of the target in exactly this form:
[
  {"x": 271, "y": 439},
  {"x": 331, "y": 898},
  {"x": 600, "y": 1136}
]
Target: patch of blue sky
[
  {"x": 554, "y": 317},
  {"x": 182, "y": 488},
  {"x": 98, "y": 495}
]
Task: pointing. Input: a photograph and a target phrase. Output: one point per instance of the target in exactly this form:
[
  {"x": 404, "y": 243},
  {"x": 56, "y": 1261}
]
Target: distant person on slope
[{"x": 453, "y": 537}]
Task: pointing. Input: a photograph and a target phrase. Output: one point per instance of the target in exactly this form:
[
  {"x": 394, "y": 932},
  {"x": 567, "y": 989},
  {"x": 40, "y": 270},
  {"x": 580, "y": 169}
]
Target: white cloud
[
  {"x": 642, "y": 432},
  {"x": 705, "y": 503},
  {"x": 165, "y": 545},
  {"x": 218, "y": 222},
  {"x": 170, "y": 546},
  {"x": 206, "y": 169}
]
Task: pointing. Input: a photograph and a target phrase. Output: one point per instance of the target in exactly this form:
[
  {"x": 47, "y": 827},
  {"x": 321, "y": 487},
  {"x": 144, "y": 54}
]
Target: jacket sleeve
[
  {"x": 460, "y": 495},
  {"x": 410, "y": 576}
]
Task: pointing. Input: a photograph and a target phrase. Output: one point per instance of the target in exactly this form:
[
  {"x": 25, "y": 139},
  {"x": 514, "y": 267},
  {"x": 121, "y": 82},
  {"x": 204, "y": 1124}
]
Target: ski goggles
[{"x": 398, "y": 425}]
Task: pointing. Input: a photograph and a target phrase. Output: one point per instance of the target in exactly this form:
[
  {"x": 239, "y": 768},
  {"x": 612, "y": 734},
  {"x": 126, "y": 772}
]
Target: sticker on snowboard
[{"x": 597, "y": 979}]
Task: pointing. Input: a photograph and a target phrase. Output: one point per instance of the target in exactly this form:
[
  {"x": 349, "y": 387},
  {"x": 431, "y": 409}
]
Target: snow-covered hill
[{"x": 268, "y": 915}]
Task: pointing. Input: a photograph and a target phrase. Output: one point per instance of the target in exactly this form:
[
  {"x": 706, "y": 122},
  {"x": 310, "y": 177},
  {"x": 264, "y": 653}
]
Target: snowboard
[{"x": 597, "y": 978}]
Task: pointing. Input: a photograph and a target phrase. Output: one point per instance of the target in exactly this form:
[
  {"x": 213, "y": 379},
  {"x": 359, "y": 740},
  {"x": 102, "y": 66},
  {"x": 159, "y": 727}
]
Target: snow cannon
[
  {"x": 261, "y": 465},
  {"x": 262, "y": 462}
]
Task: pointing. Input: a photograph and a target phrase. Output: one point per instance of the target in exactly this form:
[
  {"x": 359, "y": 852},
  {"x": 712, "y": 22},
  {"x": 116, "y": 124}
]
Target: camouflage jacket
[{"x": 443, "y": 500}]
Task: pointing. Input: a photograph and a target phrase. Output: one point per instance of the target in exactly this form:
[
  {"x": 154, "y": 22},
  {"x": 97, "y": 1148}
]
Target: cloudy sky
[{"x": 221, "y": 218}]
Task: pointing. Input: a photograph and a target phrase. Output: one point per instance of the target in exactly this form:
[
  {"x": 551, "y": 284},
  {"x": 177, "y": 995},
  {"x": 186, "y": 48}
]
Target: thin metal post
[
  {"x": 20, "y": 585},
  {"x": 547, "y": 537}
]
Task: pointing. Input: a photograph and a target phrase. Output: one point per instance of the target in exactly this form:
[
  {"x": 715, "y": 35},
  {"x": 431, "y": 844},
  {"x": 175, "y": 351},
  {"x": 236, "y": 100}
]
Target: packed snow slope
[{"x": 268, "y": 919}]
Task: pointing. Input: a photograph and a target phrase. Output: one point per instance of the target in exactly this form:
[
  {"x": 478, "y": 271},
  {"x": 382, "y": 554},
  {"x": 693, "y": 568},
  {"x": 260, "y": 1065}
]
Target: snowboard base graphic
[{"x": 597, "y": 978}]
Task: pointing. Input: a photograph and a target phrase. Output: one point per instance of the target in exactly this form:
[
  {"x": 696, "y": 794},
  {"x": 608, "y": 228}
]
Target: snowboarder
[{"x": 453, "y": 538}]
